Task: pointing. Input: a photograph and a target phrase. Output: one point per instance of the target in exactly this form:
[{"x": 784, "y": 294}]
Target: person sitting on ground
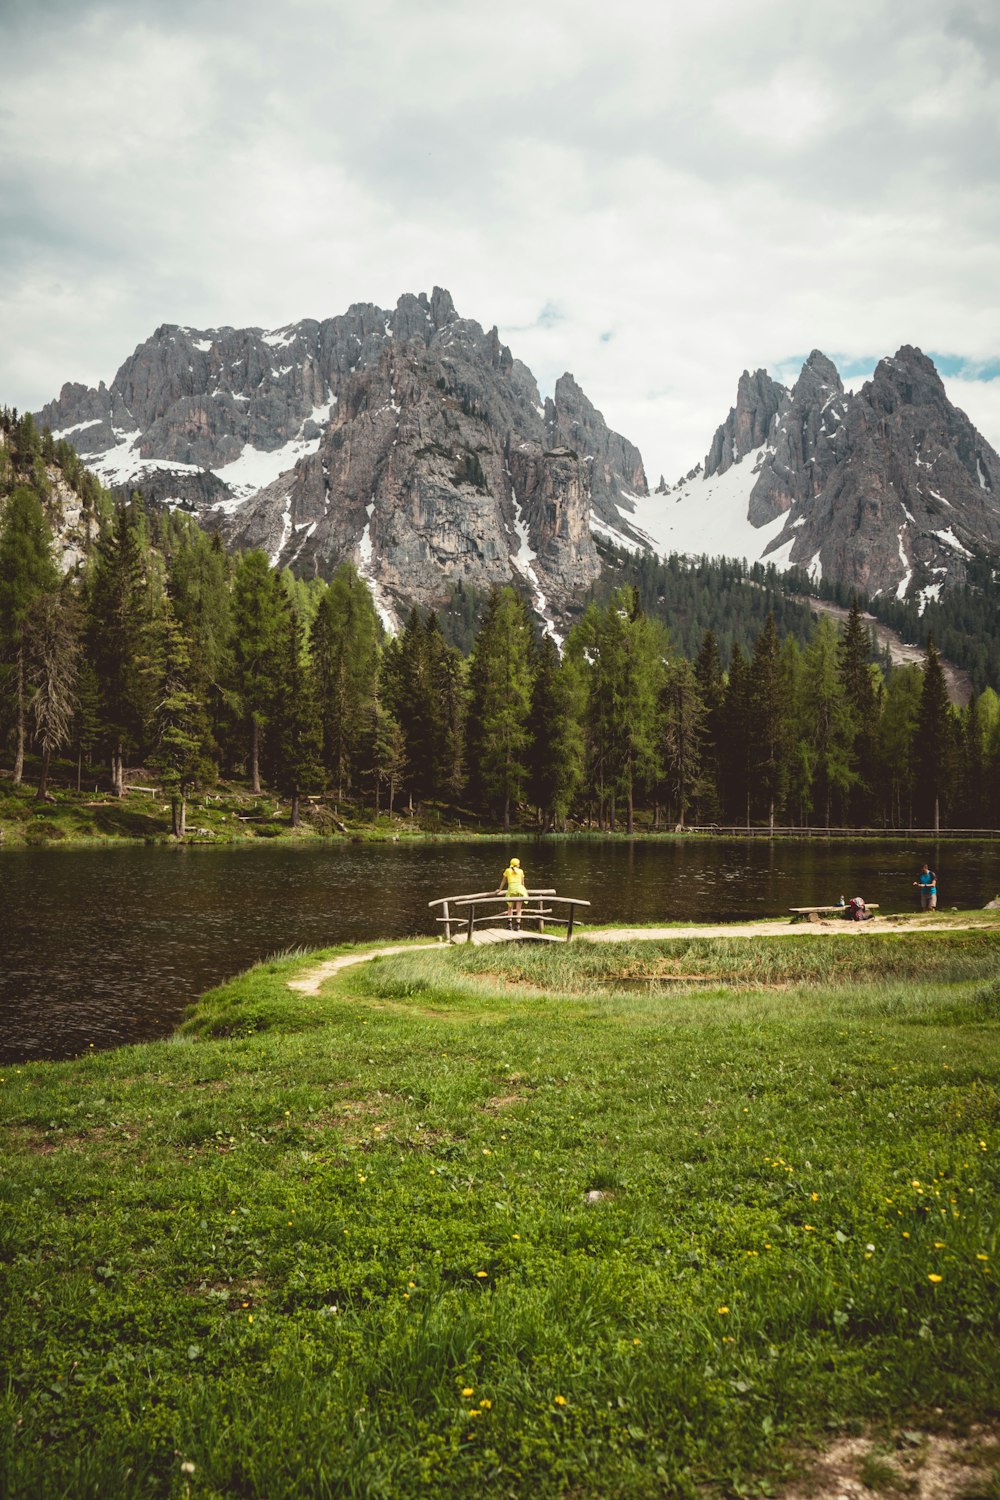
[
  {"x": 513, "y": 878},
  {"x": 857, "y": 910},
  {"x": 926, "y": 882}
]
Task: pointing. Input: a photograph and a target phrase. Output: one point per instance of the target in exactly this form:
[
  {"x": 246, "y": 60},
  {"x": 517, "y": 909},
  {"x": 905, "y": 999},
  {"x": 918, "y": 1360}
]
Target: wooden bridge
[{"x": 494, "y": 924}]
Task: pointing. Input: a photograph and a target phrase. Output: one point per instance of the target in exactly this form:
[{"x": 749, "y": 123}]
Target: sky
[{"x": 653, "y": 195}]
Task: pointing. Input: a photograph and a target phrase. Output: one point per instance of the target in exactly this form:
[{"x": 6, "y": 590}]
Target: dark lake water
[{"x": 105, "y": 946}]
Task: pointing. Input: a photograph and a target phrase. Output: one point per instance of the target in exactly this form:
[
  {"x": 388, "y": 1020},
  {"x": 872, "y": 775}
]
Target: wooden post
[
  {"x": 447, "y": 923},
  {"x": 569, "y": 924},
  {"x": 472, "y": 918}
]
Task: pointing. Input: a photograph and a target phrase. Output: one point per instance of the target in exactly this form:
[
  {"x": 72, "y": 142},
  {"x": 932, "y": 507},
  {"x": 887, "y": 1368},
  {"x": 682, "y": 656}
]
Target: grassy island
[{"x": 619, "y": 1219}]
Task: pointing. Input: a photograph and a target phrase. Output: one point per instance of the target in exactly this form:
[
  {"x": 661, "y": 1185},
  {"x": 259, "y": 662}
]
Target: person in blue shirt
[{"x": 926, "y": 883}]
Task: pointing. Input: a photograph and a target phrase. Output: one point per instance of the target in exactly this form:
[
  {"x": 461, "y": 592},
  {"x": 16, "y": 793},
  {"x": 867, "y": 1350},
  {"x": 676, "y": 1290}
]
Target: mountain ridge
[
  {"x": 411, "y": 441},
  {"x": 414, "y": 443}
]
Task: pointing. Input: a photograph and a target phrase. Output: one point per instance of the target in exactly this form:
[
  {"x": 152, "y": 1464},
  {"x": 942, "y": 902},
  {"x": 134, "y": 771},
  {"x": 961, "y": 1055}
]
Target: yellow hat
[{"x": 516, "y": 862}]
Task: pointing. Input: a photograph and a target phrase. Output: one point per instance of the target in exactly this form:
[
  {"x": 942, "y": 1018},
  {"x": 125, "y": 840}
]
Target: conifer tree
[
  {"x": 556, "y": 753},
  {"x": 383, "y": 754},
  {"x": 180, "y": 731},
  {"x": 257, "y": 617},
  {"x": 683, "y": 721},
  {"x": 344, "y": 655},
  {"x": 858, "y": 680},
  {"x": 712, "y": 686},
  {"x": 54, "y": 660},
  {"x": 118, "y": 620},
  {"x": 86, "y": 724},
  {"x": 735, "y": 741},
  {"x": 970, "y": 799},
  {"x": 296, "y": 729},
  {"x": 626, "y": 651},
  {"x": 934, "y": 747},
  {"x": 768, "y": 722},
  {"x": 896, "y": 731},
  {"x": 410, "y": 697},
  {"x": 450, "y": 690},
  {"x": 27, "y": 571},
  {"x": 828, "y": 724},
  {"x": 500, "y": 682}
]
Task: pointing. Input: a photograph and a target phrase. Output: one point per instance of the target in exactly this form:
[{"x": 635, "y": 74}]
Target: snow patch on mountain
[
  {"x": 709, "y": 516},
  {"x": 524, "y": 560}
]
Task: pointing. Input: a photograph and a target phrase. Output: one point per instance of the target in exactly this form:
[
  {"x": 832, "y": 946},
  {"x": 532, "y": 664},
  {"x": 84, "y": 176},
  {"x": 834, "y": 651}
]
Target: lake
[{"x": 104, "y": 946}]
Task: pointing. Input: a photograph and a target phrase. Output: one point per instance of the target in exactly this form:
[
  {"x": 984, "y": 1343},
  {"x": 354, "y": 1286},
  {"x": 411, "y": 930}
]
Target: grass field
[{"x": 621, "y": 1220}]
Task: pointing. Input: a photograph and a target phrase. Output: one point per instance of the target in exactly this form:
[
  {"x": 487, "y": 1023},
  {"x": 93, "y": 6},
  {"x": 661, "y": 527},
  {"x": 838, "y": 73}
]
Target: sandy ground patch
[{"x": 918, "y": 1465}]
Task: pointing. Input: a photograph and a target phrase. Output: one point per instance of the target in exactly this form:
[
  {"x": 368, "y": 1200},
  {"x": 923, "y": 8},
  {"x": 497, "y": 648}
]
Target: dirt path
[
  {"x": 309, "y": 983},
  {"x": 311, "y": 980}
]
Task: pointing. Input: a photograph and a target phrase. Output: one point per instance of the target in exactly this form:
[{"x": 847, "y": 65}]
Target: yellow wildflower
[
  {"x": 933, "y": 1277},
  {"x": 559, "y": 1400}
]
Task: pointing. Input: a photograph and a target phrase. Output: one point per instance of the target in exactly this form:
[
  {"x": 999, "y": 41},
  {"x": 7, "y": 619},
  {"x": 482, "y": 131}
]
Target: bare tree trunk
[
  {"x": 79, "y": 771},
  {"x": 295, "y": 810},
  {"x": 254, "y": 755},
  {"x": 43, "y": 780},
  {"x": 630, "y": 821},
  {"x": 19, "y": 753},
  {"x": 175, "y": 821}
]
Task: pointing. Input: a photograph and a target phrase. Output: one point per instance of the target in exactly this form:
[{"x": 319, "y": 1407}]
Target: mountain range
[{"x": 414, "y": 443}]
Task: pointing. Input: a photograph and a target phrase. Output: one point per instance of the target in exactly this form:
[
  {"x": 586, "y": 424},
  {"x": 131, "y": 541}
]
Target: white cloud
[
  {"x": 654, "y": 200},
  {"x": 980, "y": 400}
]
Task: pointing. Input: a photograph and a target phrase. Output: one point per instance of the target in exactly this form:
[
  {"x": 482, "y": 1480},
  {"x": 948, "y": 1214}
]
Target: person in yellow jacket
[{"x": 513, "y": 879}]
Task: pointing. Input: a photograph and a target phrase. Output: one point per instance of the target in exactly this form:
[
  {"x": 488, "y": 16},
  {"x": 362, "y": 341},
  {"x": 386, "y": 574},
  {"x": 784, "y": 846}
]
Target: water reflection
[{"x": 103, "y": 946}]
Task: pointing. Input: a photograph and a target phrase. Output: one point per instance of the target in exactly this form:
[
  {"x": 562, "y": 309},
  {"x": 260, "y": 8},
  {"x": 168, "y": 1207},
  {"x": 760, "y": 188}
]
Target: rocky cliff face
[
  {"x": 758, "y": 399},
  {"x": 411, "y": 441},
  {"x": 891, "y": 489},
  {"x": 74, "y": 523}
]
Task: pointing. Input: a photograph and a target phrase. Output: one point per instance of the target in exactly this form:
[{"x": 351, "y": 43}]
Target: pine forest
[{"x": 685, "y": 693}]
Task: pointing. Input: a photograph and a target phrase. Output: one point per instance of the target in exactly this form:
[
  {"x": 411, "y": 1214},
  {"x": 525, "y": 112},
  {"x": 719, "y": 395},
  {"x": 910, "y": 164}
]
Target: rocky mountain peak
[
  {"x": 616, "y": 469},
  {"x": 409, "y": 440},
  {"x": 758, "y": 400},
  {"x": 818, "y": 372}
]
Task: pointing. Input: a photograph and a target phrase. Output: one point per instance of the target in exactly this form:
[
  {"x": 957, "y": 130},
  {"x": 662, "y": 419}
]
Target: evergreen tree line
[
  {"x": 164, "y": 652},
  {"x": 964, "y": 621}
]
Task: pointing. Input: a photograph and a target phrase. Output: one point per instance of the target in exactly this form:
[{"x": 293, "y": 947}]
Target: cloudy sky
[{"x": 653, "y": 194}]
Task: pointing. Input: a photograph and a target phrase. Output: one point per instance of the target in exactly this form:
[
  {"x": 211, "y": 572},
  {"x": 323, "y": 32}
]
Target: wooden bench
[{"x": 817, "y": 913}]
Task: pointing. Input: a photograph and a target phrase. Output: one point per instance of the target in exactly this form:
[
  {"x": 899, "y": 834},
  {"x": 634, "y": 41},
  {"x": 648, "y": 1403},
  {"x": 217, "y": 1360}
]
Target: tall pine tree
[
  {"x": 27, "y": 571},
  {"x": 500, "y": 683}
]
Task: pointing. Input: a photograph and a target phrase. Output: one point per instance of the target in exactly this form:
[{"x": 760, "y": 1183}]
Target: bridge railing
[{"x": 465, "y": 913}]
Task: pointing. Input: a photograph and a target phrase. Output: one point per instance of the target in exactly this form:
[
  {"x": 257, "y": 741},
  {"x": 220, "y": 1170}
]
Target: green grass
[{"x": 620, "y": 1220}]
